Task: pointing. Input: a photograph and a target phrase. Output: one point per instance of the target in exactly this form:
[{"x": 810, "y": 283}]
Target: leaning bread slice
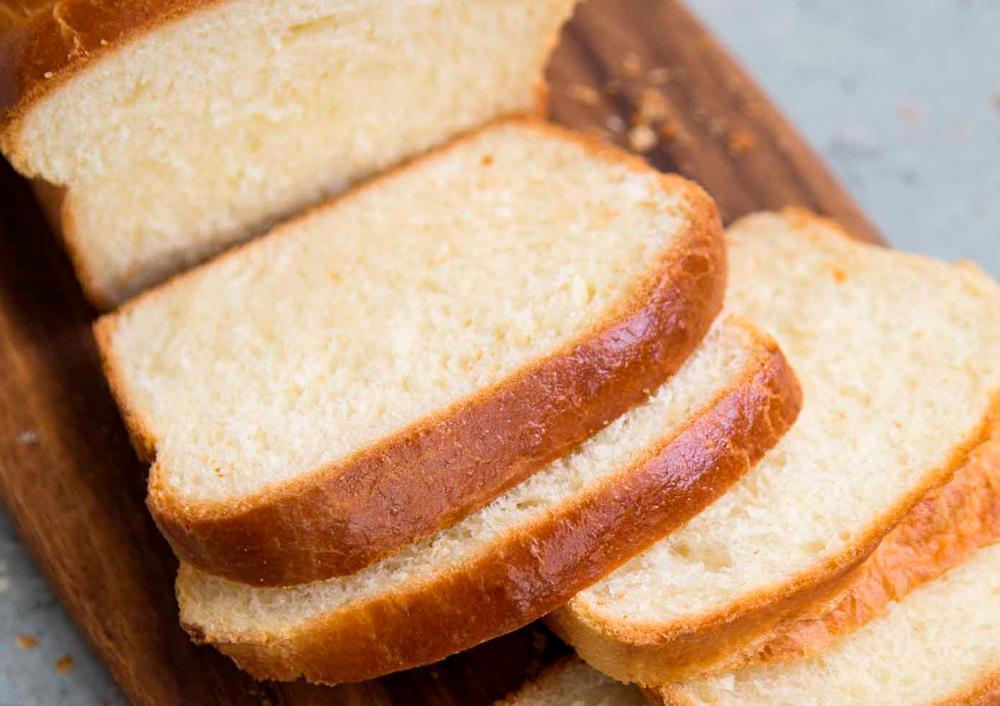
[
  {"x": 941, "y": 645},
  {"x": 899, "y": 358},
  {"x": 938, "y": 534},
  {"x": 529, "y": 550},
  {"x": 378, "y": 369},
  {"x": 165, "y": 130},
  {"x": 570, "y": 682}
]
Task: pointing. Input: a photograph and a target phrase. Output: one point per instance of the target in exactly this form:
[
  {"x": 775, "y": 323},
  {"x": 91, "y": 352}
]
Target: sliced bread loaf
[
  {"x": 941, "y": 645},
  {"x": 372, "y": 372},
  {"x": 177, "y": 127},
  {"x": 899, "y": 357},
  {"x": 570, "y": 682},
  {"x": 529, "y": 550}
]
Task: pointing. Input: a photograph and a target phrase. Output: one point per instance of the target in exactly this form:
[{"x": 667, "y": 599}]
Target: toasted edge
[
  {"x": 651, "y": 654},
  {"x": 334, "y": 520},
  {"x": 534, "y": 569}
]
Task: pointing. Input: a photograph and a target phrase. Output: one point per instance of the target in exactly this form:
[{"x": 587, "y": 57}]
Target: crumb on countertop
[
  {"x": 25, "y": 641},
  {"x": 64, "y": 665}
]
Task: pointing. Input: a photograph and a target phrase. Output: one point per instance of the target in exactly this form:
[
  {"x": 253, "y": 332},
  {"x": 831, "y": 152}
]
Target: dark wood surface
[{"x": 76, "y": 491}]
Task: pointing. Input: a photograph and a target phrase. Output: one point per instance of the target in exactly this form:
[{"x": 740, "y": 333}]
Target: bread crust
[
  {"x": 336, "y": 520},
  {"x": 656, "y": 654},
  {"x": 534, "y": 569}
]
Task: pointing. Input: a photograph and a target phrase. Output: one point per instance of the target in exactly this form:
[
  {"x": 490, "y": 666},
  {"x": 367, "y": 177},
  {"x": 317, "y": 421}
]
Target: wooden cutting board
[{"x": 75, "y": 489}]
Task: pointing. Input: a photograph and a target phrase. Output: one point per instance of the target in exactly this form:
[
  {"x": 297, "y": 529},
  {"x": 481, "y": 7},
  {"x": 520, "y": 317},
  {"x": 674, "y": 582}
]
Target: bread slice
[
  {"x": 529, "y": 550},
  {"x": 898, "y": 357},
  {"x": 570, "y": 682},
  {"x": 178, "y": 127},
  {"x": 381, "y": 367},
  {"x": 941, "y": 645},
  {"x": 938, "y": 534}
]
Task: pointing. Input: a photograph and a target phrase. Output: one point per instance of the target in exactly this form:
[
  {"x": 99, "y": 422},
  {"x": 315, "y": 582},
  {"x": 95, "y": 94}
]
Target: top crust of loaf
[
  {"x": 43, "y": 43},
  {"x": 650, "y": 651},
  {"x": 332, "y": 521}
]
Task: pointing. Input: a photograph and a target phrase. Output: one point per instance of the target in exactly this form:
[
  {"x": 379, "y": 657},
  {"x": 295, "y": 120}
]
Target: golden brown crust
[
  {"x": 336, "y": 520},
  {"x": 985, "y": 692},
  {"x": 654, "y": 654},
  {"x": 535, "y": 569}
]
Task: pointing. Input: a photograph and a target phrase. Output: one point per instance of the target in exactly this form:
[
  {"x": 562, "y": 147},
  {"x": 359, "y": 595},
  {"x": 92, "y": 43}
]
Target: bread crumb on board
[
  {"x": 64, "y": 665},
  {"x": 631, "y": 65},
  {"x": 27, "y": 437},
  {"x": 24, "y": 641},
  {"x": 740, "y": 142},
  {"x": 642, "y": 138}
]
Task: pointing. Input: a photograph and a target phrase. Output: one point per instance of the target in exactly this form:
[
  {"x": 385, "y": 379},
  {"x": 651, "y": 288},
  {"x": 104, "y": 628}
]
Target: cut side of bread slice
[
  {"x": 570, "y": 682},
  {"x": 898, "y": 358},
  {"x": 373, "y": 372},
  {"x": 941, "y": 645},
  {"x": 351, "y": 383},
  {"x": 529, "y": 550},
  {"x": 178, "y": 127},
  {"x": 938, "y": 534}
]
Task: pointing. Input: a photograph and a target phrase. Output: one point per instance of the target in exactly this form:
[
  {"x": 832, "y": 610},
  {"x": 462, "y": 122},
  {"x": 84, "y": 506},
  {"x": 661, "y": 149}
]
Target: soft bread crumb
[
  {"x": 370, "y": 315},
  {"x": 176, "y": 145},
  {"x": 222, "y": 610}
]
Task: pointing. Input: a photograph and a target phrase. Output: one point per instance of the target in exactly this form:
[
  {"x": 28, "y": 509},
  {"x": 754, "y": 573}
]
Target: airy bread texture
[
  {"x": 939, "y": 646},
  {"x": 179, "y": 127},
  {"x": 529, "y": 550},
  {"x": 939, "y": 533},
  {"x": 898, "y": 357},
  {"x": 381, "y": 367},
  {"x": 570, "y": 682}
]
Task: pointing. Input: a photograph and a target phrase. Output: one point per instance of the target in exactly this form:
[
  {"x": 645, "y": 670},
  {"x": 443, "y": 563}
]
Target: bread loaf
[{"x": 170, "y": 129}]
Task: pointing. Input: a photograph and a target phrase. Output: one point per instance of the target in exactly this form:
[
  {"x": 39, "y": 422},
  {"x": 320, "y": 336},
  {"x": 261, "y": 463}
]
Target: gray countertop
[{"x": 904, "y": 105}]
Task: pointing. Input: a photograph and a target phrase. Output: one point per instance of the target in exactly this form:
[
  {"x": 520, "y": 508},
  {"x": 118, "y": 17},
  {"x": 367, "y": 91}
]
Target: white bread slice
[
  {"x": 938, "y": 534},
  {"x": 570, "y": 682},
  {"x": 899, "y": 357},
  {"x": 178, "y": 127},
  {"x": 381, "y": 367},
  {"x": 529, "y": 550},
  {"x": 941, "y": 645}
]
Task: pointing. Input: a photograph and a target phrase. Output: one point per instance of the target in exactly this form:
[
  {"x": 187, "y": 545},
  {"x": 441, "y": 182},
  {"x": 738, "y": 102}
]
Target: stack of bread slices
[{"x": 521, "y": 375}]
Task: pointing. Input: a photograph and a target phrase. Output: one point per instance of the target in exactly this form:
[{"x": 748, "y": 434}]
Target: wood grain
[{"x": 76, "y": 491}]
